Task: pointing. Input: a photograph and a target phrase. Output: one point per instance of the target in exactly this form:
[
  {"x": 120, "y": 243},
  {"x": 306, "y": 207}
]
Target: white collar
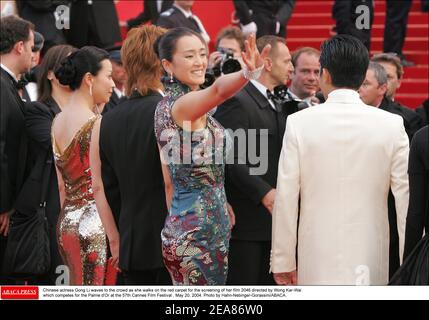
[
  {"x": 344, "y": 96},
  {"x": 119, "y": 93},
  {"x": 263, "y": 90},
  {"x": 293, "y": 95},
  {"x": 296, "y": 98},
  {"x": 186, "y": 13},
  {"x": 9, "y": 71}
]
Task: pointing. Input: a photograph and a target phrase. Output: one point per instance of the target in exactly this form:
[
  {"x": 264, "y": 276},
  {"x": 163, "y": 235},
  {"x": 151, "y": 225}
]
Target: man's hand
[
  {"x": 4, "y": 222},
  {"x": 214, "y": 58},
  {"x": 268, "y": 200},
  {"x": 286, "y": 278}
]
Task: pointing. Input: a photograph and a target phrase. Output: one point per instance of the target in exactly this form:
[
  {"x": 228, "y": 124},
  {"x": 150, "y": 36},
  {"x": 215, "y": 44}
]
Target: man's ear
[
  {"x": 326, "y": 76},
  {"x": 19, "y": 47},
  {"x": 383, "y": 89},
  {"x": 268, "y": 64}
]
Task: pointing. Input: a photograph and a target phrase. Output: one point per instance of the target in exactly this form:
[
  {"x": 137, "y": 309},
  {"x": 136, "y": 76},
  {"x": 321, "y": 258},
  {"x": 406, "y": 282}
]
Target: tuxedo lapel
[
  {"x": 13, "y": 91},
  {"x": 259, "y": 99}
]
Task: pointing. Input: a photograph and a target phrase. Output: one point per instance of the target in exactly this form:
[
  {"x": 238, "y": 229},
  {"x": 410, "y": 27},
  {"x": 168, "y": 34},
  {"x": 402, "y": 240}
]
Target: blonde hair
[{"x": 141, "y": 63}]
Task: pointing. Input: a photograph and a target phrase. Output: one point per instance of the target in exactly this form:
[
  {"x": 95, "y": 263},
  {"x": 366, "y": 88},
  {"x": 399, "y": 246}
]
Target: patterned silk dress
[
  {"x": 195, "y": 238},
  {"x": 81, "y": 237}
]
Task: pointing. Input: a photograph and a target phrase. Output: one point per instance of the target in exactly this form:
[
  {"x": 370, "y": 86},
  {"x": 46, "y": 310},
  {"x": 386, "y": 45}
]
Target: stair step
[
  {"x": 411, "y": 100},
  {"x": 414, "y": 86},
  {"x": 411, "y": 43},
  {"x": 326, "y": 6},
  {"x": 320, "y": 30},
  {"x": 326, "y": 18},
  {"x": 417, "y": 72},
  {"x": 417, "y": 56}
]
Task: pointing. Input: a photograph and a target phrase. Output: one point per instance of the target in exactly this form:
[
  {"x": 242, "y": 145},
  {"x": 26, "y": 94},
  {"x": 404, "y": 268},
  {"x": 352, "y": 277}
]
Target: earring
[
  {"x": 171, "y": 78},
  {"x": 90, "y": 90}
]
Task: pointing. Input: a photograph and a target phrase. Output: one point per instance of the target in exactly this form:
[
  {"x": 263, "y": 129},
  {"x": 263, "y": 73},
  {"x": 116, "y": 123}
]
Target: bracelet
[{"x": 252, "y": 75}]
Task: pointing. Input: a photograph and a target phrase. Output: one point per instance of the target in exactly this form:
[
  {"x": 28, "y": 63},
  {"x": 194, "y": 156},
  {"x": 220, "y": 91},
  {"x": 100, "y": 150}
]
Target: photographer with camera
[{"x": 227, "y": 57}]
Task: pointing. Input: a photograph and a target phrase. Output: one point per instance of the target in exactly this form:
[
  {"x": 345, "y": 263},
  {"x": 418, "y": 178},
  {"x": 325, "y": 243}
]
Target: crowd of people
[{"x": 129, "y": 167}]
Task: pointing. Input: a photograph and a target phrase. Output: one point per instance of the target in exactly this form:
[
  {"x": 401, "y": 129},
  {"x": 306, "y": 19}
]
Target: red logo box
[{"x": 19, "y": 292}]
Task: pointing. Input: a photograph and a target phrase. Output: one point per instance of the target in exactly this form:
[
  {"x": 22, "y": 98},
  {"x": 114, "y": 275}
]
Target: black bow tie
[
  {"x": 277, "y": 101},
  {"x": 21, "y": 83},
  {"x": 271, "y": 96}
]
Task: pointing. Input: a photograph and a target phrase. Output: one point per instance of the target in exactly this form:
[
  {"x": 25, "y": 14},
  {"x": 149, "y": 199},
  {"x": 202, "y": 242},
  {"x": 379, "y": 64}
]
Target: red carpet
[{"x": 311, "y": 23}]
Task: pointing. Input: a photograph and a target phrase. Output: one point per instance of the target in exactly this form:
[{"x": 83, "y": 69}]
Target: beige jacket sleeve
[
  {"x": 285, "y": 213},
  {"x": 399, "y": 183}
]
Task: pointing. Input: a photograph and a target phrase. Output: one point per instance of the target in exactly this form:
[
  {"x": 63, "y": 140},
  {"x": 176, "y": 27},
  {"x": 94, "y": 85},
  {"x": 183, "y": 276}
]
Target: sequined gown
[
  {"x": 81, "y": 237},
  {"x": 195, "y": 238}
]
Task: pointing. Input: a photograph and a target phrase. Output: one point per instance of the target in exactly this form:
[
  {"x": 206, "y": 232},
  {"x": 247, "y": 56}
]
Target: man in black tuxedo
[
  {"x": 265, "y": 17},
  {"x": 180, "y": 15},
  {"x": 347, "y": 15},
  {"x": 93, "y": 22},
  {"x": 151, "y": 11},
  {"x": 251, "y": 194},
  {"x": 17, "y": 41}
]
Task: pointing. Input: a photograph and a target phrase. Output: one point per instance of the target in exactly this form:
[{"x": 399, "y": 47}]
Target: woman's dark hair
[
  {"x": 80, "y": 62},
  {"x": 346, "y": 58},
  {"x": 165, "y": 45},
  {"x": 51, "y": 62}
]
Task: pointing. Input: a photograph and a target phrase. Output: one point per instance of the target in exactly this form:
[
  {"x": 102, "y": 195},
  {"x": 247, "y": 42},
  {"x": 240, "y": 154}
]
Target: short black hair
[
  {"x": 13, "y": 30},
  {"x": 346, "y": 58},
  {"x": 76, "y": 65}
]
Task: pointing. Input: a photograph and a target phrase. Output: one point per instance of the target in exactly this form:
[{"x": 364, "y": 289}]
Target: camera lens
[{"x": 230, "y": 66}]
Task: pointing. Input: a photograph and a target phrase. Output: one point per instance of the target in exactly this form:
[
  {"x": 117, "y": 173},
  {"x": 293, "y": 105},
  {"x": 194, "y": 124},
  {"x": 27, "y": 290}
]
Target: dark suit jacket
[
  {"x": 249, "y": 109},
  {"x": 133, "y": 182},
  {"x": 423, "y": 112},
  {"x": 265, "y": 13},
  {"x": 174, "y": 18},
  {"x": 38, "y": 121},
  {"x": 101, "y": 16},
  {"x": 412, "y": 121},
  {"x": 13, "y": 143},
  {"x": 150, "y": 13},
  {"x": 41, "y": 14},
  {"x": 418, "y": 210}
]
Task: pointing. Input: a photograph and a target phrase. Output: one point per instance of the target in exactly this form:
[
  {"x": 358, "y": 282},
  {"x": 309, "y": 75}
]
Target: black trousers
[
  {"x": 155, "y": 277},
  {"x": 394, "y": 236},
  {"x": 249, "y": 263},
  {"x": 396, "y": 25}
]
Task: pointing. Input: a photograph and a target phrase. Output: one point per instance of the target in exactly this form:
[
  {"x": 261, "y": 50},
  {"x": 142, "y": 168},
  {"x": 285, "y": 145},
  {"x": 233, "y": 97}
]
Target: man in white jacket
[{"x": 338, "y": 162}]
